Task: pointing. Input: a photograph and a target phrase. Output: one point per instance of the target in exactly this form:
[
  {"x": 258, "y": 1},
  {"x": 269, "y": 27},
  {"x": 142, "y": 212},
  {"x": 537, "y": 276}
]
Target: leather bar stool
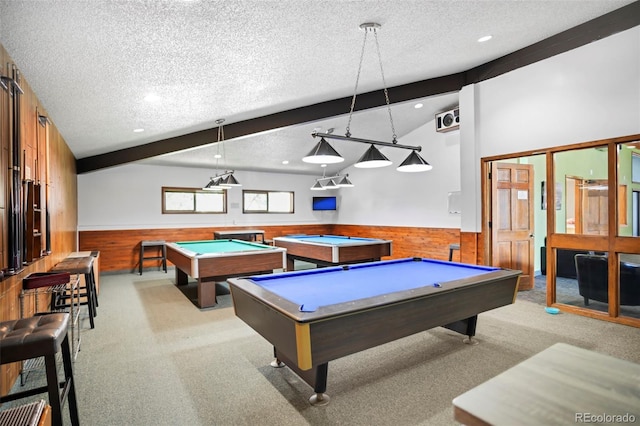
[
  {"x": 82, "y": 265},
  {"x": 42, "y": 336}
]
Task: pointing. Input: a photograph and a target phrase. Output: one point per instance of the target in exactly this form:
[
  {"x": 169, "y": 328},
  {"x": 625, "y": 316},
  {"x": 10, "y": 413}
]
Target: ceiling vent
[{"x": 448, "y": 120}]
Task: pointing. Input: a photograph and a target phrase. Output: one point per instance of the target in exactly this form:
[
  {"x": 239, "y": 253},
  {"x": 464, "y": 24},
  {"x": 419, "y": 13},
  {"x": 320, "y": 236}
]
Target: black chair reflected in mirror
[{"x": 593, "y": 280}]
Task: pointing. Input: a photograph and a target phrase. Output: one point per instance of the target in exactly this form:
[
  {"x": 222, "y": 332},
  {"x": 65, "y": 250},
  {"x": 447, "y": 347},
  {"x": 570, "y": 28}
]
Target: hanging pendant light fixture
[
  {"x": 323, "y": 153},
  {"x": 373, "y": 157},
  {"x": 332, "y": 182},
  {"x": 224, "y": 180},
  {"x": 317, "y": 186},
  {"x": 414, "y": 163},
  {"x": 345, "y": 182}
]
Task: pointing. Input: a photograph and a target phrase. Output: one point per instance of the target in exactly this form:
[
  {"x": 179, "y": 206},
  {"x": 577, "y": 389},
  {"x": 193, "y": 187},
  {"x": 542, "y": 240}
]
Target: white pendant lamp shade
[
  {"x": 331, "y": 185},
  {"x": 414, "y": 163},
  {"x": 345, "y": 183},
  {"x": 323, "y": 153},
  {"x": 231, "y": 181},
  {"x": 317, "y": 187},
  {"x": 210, "y": 186},
  {"x": 372, "y": 158}
]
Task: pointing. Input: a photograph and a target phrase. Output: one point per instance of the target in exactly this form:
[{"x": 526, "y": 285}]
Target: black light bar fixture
[
  {"x": 332, "y": 182},
  {"x": 374, "y": 158},
  {"x": 324, "y": 153},
  {"x": 224, "y": 180}
]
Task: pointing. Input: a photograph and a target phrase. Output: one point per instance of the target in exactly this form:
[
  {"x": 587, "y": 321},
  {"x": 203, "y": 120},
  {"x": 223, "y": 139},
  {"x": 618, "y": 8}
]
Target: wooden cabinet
[{"x": 33, "y": 221}]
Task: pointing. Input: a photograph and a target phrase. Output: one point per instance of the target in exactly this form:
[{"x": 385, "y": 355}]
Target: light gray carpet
[{"x": 155, "y": 359}]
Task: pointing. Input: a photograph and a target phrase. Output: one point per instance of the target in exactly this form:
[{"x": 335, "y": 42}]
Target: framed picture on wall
[{"x": 558, "y": 196}]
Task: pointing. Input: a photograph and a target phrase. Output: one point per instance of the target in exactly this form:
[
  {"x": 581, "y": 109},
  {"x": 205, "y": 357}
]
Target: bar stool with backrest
[{"x": 42, "y": 336}]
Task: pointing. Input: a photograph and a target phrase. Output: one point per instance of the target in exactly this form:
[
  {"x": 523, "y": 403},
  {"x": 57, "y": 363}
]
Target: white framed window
[
  {"x": 193, "y": 200},
  {"x": 267, "y": 201}
]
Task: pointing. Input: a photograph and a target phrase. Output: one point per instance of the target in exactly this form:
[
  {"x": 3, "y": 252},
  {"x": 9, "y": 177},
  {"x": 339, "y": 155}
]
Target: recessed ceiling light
[
  {"x": 138, "y": 130},
  {"x": 217, "y": 156},
  {"x": 418, "y": 106},
  {"x": 323, "y": 165},
  {"x": 485, "y": 38},
  {"x": 285, "y": 161},
  {"x": 152, "y": 97}
]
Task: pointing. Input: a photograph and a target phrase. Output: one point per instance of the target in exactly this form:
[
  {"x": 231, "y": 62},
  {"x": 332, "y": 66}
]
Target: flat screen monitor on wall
[{"x": 325, "y": 203}]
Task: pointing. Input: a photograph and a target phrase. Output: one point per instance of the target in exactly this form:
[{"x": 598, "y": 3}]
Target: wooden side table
[
  {"x": 453, "y": 247},
  {"x": 159, "y": 247}
]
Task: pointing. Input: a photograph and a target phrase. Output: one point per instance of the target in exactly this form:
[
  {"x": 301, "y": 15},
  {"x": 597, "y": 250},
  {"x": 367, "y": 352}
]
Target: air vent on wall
[{"x": 448, "y": 120}]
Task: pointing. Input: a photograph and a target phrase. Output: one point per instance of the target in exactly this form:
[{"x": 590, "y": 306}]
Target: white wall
[
  {"x": 387, "y": 197},
  {"x": 590, "y": 93},
  {"x": 130, "y": 197},
  {"x": 587, "y": 94}
]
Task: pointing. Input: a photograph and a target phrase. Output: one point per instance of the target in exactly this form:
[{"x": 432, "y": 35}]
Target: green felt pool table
[
  {"x": 317, "y": 315},
  {"x": 209, "y": 261}
]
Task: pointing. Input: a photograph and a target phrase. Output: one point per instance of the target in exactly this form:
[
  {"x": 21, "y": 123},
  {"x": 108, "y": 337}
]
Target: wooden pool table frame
[
  {"x": 307, "y": 341},
  {"x": 208, "y": 268},
  {"x": 360, "y": 250}
]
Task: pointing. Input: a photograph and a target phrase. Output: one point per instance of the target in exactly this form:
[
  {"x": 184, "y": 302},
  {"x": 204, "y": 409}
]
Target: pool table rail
[
  {"x": 293, "y": 311},
  {"x": 307, "y": 341},
  {"x": 324, "y": 254},
  {"x": 207, "y": 268}
]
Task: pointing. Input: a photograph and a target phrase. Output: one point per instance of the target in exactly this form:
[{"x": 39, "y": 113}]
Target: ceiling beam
[
  {"x": 611, "y": 23},
  {"x": 598, "y": 28},
  {"x": 309, "y": 113}
]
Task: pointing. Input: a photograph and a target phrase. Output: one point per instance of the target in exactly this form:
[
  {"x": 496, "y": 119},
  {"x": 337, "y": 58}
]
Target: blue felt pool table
[
  {"x": 317, "y": 315},
  {"x": 331, "y": 250}
]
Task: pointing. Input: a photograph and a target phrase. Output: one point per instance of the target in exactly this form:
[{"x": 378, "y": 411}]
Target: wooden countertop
[{"x": 561, "y": 385}]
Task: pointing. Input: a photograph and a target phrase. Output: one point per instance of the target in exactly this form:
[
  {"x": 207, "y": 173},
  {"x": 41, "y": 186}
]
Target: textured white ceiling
[{"x": 92, "y": 63}]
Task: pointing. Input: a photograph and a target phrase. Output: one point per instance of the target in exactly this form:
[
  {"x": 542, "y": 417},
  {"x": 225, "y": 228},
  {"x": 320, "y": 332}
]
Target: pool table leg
[
  {"x": 320, "y": 398},
  {"x": 276, "y": 363},
  {"x": 316, "y": 377},
  {"x": 290, "y": 263},
  {"x": 181, "y": 277},
  {"x": 206, "y": 293},
  {"x": 466, "y": 326}
]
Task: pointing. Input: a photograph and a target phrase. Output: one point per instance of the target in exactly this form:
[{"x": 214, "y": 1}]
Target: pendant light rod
[
  {"x": 331, "y": 177},
  {"x": 369, "y": 141},
  {"x": 221, "y": 175}
]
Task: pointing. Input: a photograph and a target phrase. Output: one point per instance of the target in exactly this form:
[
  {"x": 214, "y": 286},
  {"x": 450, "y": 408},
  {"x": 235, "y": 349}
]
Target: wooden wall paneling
[
  {"x": 63, "y": 196},
  {"x": 119, "y": 249},
  {"x": 63, "y": 180},
  {"x": 408, "y": 241},
  {"x": 469, "y": 252}
]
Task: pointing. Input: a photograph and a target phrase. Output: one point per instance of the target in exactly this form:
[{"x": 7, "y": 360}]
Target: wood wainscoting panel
[
  {"x": 119, "y": 249},
  {"x": 469, "y": 243},
  {"x": 407, "y": 241}
]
